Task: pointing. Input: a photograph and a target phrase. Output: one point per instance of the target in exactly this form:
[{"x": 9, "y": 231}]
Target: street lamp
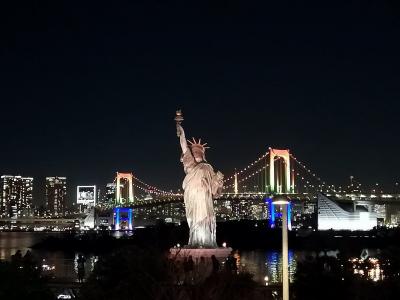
[{"x": 281, "y": 200}]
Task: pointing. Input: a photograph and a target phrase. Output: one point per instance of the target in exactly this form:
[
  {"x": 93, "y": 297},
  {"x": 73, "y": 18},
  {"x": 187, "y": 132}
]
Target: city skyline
[
  {"x": 90, "y": 92},
  {"x": 248, "y": 183}
]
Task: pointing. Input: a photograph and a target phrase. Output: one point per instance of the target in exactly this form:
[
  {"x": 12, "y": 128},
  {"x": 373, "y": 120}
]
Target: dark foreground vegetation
[
  {"x": 22, "y": 279},
  {"x": 328, "y": 278},
  {"x": 134, "y": 273},
  {"x": 137, "y": 267},
  {"x": 146, "y": 273}
]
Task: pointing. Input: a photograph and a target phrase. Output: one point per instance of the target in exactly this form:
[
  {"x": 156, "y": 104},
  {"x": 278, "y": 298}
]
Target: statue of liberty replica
[{"x": 201, "y": 185}]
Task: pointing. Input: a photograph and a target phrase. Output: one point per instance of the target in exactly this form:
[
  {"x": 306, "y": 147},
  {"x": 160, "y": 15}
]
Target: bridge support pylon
[
  {"x": 124, "y": 192},
  {"x": 236, "y": 187},
  {"x": 276, "y": 187},
  {"x": 123, "y": 215}
]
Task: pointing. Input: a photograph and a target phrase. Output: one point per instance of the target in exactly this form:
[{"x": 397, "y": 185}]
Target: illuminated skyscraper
[
  {"x": 16, "y": 196},
  {"x": 56, "y": 192},
  {"x": 110, "y": 193}
]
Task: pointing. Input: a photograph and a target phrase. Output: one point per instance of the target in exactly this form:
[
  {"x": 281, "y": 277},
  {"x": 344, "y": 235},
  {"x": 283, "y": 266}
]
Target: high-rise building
[
  {"x": 110, "y": 193},
  {"x": 16, "y": 196},
  {"x": 56, "y": 192}
]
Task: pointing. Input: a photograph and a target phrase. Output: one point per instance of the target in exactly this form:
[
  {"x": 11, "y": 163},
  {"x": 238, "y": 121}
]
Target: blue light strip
[
  {"x": 117, "y": 220},
  {"x": 272, "y": 215},
  {"x": 272, "y": 212},
  {"x": 130, "y": 227},
  {"x": 271, "y": 209}
]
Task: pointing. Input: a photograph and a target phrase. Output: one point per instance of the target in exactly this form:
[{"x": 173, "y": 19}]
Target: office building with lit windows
[
  {"x": 56, "y": 194},
  {"x": 16, "y": 196},
  {"x": 110, "y": 193}
]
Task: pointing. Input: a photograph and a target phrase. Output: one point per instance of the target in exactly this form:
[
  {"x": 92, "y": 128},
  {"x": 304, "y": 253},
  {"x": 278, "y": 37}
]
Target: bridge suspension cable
[
  {"x": 247, "y": 177},
  {"x": 248, "y": 173},
  {"x": 250, "y": 165},
  {"x": 152, "y": 189},
  {"x": 322, "y": 184}
]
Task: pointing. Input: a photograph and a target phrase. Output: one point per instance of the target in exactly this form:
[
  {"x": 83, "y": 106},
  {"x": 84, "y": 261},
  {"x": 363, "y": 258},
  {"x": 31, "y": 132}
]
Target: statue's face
[
  {"x": 198, "y": 155},
  {"x": 198, "y": 158}
]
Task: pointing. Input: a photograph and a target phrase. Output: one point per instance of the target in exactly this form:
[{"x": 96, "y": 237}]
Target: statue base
[
  {"x": 202, "y": 267},
  {"x": 180, "y": 253}
]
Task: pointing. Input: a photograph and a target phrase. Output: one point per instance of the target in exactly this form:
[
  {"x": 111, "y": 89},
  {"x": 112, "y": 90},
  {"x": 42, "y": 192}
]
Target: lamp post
[{"x": 280, "y": 200}]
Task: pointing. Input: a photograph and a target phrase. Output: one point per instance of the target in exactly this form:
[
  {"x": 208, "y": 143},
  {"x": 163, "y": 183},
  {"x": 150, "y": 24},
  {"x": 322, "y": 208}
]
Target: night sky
[{"x": 91, "y": 88}]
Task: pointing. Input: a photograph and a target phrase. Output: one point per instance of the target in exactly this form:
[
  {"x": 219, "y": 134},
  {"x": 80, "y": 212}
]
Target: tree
[
  {"x": 129, "y": 273},
  {"x": 144, "y": 274},
  {"x": 22, "y": 281}
]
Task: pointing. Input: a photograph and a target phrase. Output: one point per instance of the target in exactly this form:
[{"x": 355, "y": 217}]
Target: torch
[{"x": 178, "y": 119}]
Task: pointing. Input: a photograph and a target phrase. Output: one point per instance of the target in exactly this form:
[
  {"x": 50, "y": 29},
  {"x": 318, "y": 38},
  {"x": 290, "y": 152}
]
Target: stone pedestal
[
  {"x": 203, "y": 265},
  {"x": 180, "y": 253}
]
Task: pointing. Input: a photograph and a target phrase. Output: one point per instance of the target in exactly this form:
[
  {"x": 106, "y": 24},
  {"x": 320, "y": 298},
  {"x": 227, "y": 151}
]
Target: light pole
[{"x": 281, "y": 200}]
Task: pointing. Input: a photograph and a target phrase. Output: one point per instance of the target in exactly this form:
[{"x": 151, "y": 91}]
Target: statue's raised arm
[{"x": 182, "y": 138}]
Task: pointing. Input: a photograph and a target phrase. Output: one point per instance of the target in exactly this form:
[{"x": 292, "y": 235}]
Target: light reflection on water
[
  {"x": 262, "y": 264},
  {"x": 10, "y": 242},
  {"x": 267, "y": 263},
  {"x": 65, "y": 263}
]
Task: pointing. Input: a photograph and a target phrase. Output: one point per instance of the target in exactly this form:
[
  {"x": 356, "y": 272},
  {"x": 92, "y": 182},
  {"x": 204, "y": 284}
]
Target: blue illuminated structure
[
  {"x": 271, "y": 208},
  {"x": 118, "y": 218}
]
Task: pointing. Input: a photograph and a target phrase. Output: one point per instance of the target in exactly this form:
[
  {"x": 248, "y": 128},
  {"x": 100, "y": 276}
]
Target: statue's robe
[{"x": 200, "y": 185}]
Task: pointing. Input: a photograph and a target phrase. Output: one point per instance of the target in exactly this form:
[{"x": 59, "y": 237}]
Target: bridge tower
[
  {"x": 236, "y": 187},
  {"x": 277, "y": 187},
  {"x": 124, "y": 189}
]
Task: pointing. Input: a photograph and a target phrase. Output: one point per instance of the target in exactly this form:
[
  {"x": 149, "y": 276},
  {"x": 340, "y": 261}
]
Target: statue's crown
[{"x": 198, "y": 146}]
